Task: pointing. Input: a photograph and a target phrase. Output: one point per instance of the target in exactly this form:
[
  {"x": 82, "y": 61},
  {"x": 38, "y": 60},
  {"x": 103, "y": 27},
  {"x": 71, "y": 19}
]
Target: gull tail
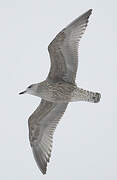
[
  {"x": 95, "y": 98},
  {"x": 84, "y": 95}
]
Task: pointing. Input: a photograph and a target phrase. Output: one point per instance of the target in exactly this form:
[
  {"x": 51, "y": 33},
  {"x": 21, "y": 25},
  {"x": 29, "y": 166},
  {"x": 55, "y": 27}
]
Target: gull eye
[{"x": 30, "y": 86}]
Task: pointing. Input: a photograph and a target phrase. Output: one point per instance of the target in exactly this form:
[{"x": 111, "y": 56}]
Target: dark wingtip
[
  {"x": 44, "y": 172},
  {"x": 39, "y": 158},
  {"x": 89, "y": 12}
]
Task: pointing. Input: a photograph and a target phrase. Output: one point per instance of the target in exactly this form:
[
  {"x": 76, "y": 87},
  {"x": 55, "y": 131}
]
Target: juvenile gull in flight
[{"x": 57, "y": 90}]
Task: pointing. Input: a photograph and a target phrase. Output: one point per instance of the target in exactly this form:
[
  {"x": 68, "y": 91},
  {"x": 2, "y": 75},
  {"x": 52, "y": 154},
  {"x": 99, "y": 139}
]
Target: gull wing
[
  {"x": 63, "y": 50},
  {"x": 42, "y": 124}
]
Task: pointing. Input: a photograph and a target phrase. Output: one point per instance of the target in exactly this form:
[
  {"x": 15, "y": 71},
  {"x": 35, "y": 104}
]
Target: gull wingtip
[{"x": 90, "y": 10}]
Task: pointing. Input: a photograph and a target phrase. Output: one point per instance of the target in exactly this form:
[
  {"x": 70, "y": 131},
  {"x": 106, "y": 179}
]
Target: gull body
[
  {"x": 57, "y": 90},
  {"x": 61, "y": 91}
]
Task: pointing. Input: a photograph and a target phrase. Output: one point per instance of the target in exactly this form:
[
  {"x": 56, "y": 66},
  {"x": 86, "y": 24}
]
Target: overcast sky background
[{"x": 85, "y": 141}]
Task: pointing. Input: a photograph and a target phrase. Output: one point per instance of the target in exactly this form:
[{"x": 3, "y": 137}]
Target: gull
[{"x": 57, "y": 90}]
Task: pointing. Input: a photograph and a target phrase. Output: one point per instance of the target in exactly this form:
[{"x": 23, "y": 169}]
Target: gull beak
[{"x": 22, "y": 92}]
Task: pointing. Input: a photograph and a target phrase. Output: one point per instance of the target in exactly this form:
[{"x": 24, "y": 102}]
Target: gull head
[{"x": 30, "y": 89}]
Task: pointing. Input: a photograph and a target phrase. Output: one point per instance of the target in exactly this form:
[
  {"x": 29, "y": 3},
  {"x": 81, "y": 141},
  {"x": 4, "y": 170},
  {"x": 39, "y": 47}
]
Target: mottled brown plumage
[{"x": 57, "y": 90}]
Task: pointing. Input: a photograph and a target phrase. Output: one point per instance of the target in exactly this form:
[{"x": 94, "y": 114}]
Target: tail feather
[
  {"x": 95, "y": 97},
  {"x": 84, "y": 95}
]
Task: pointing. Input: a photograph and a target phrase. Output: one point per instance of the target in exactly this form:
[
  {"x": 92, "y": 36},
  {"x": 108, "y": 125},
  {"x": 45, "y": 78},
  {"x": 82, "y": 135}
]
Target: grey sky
[{"x": 85, "y": 141}]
